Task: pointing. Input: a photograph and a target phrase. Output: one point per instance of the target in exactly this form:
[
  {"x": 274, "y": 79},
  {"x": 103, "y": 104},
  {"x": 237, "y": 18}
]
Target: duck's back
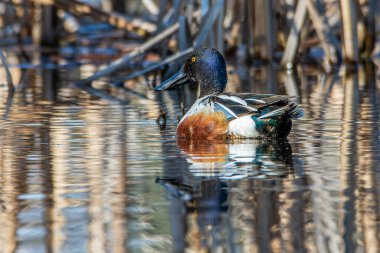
[{"x": 244, "y": 115}]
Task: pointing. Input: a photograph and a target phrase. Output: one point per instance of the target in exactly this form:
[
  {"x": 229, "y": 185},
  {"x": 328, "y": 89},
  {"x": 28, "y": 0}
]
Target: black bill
[{"x": 176, "y": 81}]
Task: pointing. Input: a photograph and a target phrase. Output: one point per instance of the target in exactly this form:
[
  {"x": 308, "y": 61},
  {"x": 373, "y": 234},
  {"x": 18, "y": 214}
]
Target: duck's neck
[{"x": 210, "y": 87}]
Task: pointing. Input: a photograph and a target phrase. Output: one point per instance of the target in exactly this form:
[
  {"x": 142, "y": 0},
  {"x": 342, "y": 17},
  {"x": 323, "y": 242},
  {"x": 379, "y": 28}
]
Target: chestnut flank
[{"x": 203, "y": 126}]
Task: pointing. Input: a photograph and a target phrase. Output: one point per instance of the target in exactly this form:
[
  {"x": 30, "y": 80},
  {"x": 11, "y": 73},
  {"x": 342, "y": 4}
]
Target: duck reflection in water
[
  {"x": 200, "y": 193},
  {"x": 237, "y": 159}
]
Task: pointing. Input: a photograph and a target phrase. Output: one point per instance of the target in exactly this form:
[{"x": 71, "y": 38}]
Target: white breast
[
  {"x": 243, "y": 127},
  {"x": 200, "y": 105}
]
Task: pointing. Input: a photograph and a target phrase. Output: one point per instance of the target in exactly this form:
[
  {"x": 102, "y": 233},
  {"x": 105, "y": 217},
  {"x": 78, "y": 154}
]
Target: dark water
[{"x": 82, "y": 174}]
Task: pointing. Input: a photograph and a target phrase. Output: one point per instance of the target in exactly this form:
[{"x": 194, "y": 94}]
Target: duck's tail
[{"x": 293, "y": 110}]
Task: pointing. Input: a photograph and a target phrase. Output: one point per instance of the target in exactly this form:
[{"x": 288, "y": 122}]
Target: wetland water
[{"x": 81, "y": 174}]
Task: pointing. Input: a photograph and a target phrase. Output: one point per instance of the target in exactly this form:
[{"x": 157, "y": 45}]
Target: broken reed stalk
[
  {"x": 120, "y": 63},
  {"x": 370, "y": 34},
  {"x": 49, "y": 24},
  {"x": 208, "y": 24},
  {"x": 184, "y": 35},
  {"x": 219, "y": 44},
  {"x": 8, "y": 103},
  {"x": 155, "y": 66},
  {"x": 150, "y": 6},
  {"x": 323, "y": 32},
  {"x": 11, "y": 87},
  {"x": 264, "y": 29},
  {"x": 294, "y": 34},
  {"x": 350, "y": 34}
]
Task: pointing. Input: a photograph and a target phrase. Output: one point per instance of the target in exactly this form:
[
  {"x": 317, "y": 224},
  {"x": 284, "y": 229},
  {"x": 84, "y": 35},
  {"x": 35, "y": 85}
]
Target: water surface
[{"x": 85, "y": 174}]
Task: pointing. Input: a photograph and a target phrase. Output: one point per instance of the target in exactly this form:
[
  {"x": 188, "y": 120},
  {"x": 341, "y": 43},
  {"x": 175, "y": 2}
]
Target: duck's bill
[{"x": 177, "y": 80}]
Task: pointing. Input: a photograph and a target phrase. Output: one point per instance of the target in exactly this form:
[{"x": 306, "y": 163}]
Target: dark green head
[{"x": 205, "y": 66}]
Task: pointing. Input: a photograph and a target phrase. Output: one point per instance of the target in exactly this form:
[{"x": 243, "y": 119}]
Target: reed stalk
[{"x": 350, "y": 34}]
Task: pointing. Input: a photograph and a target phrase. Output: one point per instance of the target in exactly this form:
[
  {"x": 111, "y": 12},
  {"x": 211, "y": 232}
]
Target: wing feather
[
  {"x": 226, "y": 109},
  {"x": 231, "y": 99},
  {"x": 264, "y": 106}
]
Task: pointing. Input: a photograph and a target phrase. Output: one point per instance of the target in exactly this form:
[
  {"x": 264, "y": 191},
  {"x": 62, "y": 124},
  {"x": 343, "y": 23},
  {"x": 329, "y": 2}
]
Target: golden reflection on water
[{"x": 79, "y": 174}]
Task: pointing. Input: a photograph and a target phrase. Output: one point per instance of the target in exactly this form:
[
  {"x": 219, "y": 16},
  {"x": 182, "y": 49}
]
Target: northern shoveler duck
[{"x": 218, "y": 115}]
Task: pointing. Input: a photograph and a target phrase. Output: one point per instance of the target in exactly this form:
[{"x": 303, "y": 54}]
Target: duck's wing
[
  {"x": 259, "y": 105},
  {"x": 233, "y": 106}
]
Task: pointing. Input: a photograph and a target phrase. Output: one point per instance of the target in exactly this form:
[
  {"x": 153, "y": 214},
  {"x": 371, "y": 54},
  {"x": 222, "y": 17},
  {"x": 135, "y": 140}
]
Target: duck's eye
[{"x": 193, "y": 59}]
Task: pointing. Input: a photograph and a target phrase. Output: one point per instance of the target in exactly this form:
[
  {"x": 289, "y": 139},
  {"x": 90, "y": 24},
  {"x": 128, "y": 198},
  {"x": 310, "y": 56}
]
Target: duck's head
[{"x": 205, "y": 66}]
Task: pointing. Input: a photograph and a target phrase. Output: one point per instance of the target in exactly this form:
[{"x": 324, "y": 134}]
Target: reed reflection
[
  {"x": 78, "y": 174},
  {"x": 367, "y": 146},
  {"x": 348, "y": 163}
]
